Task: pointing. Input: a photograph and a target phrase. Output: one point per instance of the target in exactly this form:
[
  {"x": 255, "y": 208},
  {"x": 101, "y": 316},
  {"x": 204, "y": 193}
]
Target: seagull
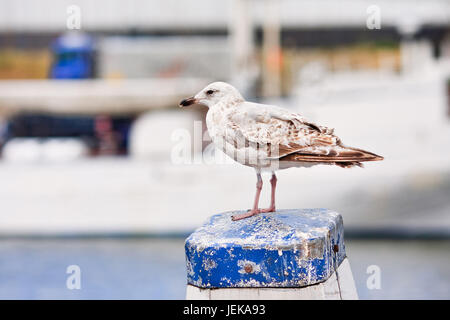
[{"x": 269, "y": 138}]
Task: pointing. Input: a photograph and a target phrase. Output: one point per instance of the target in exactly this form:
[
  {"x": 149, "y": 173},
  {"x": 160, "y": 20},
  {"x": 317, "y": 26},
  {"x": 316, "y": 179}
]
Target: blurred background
[{"x": 89, "y": 122}]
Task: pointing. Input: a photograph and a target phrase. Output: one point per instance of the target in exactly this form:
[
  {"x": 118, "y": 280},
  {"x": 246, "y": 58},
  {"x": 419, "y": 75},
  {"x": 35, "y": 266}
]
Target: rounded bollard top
[{"x": 287, "y": 248}]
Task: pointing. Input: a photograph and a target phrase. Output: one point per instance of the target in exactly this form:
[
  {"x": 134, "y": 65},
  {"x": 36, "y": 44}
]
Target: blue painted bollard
[{"x": 288, "y": 254}]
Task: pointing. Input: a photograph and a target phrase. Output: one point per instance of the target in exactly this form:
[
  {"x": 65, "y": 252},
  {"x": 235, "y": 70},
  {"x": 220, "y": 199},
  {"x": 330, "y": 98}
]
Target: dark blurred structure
[{"x": 102, "y": 134}]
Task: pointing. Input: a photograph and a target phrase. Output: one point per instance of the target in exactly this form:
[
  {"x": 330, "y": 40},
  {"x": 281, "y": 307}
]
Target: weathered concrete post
[{"x": 289, "y": 254}]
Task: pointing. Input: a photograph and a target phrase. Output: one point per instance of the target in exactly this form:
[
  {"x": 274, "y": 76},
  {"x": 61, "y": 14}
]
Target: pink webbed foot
[
  {"x": 249, "y": 213},
  {"x": 270, "y": 209}
]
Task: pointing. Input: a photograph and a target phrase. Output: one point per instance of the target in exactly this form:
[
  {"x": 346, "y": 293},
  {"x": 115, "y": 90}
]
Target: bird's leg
[
  {"x": 273, "y": 182},
  {"x": 255, "y": 209}
]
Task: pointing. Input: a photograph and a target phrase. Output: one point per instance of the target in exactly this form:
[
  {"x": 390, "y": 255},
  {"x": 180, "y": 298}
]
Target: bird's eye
[{"x": 209, "y": 92}]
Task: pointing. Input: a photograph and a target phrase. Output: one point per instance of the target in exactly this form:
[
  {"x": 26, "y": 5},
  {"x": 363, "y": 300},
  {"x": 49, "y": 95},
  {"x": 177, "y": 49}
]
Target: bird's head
[{"x": 212, "y": 94}]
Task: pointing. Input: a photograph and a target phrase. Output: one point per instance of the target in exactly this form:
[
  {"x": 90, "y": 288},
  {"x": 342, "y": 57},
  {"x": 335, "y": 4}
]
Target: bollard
[{"x": 287, "y": 254}]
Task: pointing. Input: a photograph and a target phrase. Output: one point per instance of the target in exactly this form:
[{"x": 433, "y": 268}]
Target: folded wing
[{"x": 290, "y": 137}]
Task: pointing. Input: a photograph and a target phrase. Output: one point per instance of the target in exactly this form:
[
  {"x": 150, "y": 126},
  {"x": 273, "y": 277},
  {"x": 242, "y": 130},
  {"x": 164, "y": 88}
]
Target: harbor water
[{"x": 154, "y": 268}]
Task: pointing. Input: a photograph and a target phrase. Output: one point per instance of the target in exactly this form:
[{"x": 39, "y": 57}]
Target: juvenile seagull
[{"x": 269, "y": 138}]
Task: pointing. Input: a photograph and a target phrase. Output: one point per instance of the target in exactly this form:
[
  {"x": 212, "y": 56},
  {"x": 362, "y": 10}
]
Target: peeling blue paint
[{"x": 288, "y": 248}]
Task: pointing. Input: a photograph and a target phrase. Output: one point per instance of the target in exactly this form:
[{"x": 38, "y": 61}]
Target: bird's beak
[{"x": 187, "y": 102}]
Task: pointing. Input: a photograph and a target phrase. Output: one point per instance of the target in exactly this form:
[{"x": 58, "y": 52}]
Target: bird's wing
[{"x": 288, "y": 136}]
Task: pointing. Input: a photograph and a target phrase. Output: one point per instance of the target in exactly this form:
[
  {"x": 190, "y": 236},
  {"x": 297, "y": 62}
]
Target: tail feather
[
  {"x": 370, "y": 156},
  {"x": 343, "y": 156}
]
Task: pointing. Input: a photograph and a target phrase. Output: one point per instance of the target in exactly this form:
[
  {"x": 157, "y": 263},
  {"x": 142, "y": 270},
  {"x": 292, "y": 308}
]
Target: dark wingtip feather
[{"x": 349, "y": 164}]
